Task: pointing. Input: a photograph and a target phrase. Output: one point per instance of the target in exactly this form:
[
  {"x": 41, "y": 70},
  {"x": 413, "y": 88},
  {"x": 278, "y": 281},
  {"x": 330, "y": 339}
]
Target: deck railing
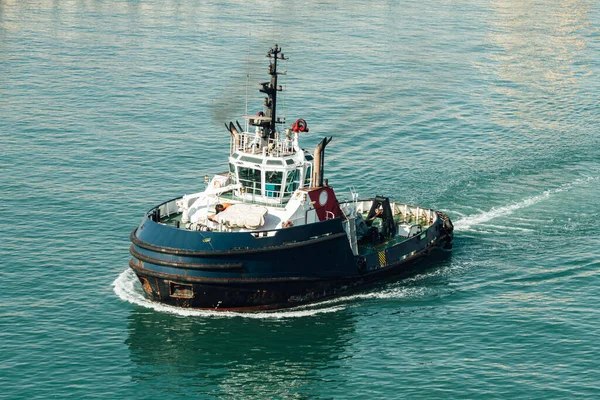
[{"x": 252, "y": 143}]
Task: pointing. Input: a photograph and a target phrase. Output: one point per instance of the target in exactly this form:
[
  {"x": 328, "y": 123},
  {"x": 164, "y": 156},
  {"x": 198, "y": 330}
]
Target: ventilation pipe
[
  {"x": 236, "y": 136},
  {"x": 319, "y": 167}
]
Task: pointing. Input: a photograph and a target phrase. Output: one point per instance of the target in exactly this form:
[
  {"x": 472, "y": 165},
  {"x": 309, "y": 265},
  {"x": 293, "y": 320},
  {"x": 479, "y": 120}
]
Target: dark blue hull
[{"x": 265, "y": 270}]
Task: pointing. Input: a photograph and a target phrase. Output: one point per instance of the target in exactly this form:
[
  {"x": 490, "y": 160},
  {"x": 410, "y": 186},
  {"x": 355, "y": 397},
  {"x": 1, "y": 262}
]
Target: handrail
[{"x": 252, "y": 143}]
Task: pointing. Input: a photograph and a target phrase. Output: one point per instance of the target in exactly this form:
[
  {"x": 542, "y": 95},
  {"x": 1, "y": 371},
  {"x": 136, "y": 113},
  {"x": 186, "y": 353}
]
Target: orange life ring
[{"x": 288, "y": 224}]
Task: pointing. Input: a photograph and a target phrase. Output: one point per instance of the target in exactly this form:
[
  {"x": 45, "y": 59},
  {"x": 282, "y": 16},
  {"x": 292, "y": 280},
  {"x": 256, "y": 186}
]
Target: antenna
[
  {"x": 283, "y": 95},
  {"x": 270, "y": 89},
  {"x": 247, "y": 78}
]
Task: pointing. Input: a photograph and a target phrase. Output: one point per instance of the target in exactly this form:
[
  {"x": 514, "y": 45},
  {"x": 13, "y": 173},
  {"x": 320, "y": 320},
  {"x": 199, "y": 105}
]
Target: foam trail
[
  {"x": 125, "y": 286},
  {"x": 466, "y": 223},
  {"x": 391, "y": 293}
]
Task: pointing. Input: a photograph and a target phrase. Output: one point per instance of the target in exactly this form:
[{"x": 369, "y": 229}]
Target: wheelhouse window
[
  {"x": 293, "y": 181},
  {"x": 307, "y": 176},
  {"x": 273, "y": 181},
  {"x": 232, "y": 173},
  {"x": 250, "y": 179}
]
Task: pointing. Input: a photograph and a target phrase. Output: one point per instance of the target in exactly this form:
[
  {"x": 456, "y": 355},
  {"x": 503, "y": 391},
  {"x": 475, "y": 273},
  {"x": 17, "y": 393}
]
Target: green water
[{"x": 486, "y": 110}]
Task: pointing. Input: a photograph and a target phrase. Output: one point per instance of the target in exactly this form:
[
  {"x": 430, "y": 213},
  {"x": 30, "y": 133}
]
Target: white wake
[{"x": 466, "y": 223}]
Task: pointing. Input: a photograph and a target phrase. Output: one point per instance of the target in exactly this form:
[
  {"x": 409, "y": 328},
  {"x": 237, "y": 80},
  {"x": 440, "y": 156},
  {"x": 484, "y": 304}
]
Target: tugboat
[{"x": 270, "y": 232}]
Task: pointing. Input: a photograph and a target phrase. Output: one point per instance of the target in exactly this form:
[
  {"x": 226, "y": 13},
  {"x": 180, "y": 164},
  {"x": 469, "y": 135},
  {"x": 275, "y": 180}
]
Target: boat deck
[{"x": 404, "y": 224}]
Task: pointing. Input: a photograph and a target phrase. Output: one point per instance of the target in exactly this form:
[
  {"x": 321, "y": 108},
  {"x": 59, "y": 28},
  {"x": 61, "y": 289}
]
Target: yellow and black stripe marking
[{"x": 382, "y": 262}]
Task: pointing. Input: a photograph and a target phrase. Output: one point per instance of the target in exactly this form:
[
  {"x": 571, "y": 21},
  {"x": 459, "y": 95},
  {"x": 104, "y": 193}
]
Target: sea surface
[{"x": 487, "y": 110}]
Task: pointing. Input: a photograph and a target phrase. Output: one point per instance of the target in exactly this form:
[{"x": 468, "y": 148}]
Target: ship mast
[{"x": 270, "y": 89}]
